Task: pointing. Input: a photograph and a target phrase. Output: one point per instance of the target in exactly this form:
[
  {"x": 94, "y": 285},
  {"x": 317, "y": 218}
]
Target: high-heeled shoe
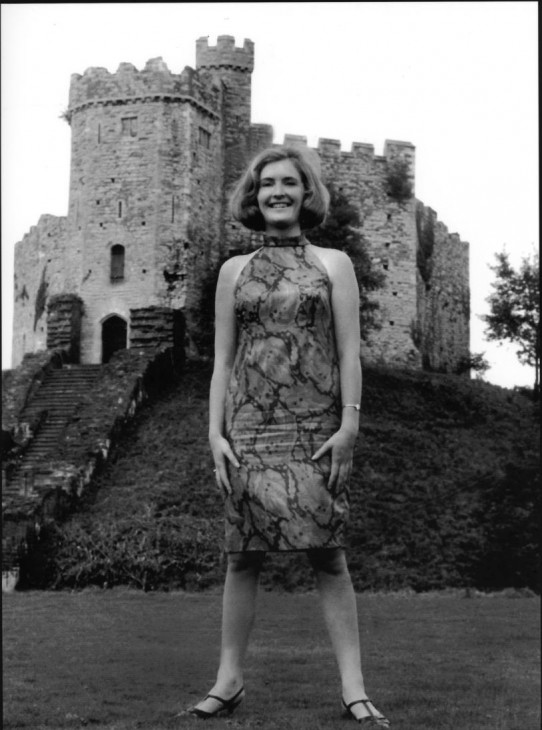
[
  {"x": 226, "y": 706},
  {"x": 372, "y": 718}
]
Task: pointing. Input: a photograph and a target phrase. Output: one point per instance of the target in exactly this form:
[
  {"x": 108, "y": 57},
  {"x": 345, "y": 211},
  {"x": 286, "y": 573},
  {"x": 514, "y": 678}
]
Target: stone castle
[{"x": 153, "y": 160}]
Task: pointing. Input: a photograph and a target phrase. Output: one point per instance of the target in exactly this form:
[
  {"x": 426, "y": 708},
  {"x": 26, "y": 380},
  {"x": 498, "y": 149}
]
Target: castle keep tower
[
  {"x": 143, "y": 148},
  {"x": 154, "y": 157}
]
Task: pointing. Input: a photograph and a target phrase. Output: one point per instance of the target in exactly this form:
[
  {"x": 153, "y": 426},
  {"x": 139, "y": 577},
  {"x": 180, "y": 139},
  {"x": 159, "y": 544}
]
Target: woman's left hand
[{"x": 341, "y": 445}]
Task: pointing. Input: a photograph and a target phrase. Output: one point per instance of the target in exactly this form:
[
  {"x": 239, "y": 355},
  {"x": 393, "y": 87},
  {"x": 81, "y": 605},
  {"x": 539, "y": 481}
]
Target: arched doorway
[{"x": 114, "y": 336}]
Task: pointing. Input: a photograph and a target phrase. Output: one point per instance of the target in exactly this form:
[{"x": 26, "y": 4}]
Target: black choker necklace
[{"x": 287, "y": 241}]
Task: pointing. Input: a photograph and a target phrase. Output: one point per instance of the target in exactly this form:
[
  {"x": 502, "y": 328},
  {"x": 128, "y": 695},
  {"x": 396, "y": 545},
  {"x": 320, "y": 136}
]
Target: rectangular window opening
[
  {"x": 129, "y": 126},
  {"x": 117, "y": 263},
  {"x": 204, "y": 138}
]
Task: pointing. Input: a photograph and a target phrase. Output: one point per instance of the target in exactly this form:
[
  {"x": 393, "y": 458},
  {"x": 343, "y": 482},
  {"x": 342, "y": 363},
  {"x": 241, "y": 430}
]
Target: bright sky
[{"x": 457, "y": 79}]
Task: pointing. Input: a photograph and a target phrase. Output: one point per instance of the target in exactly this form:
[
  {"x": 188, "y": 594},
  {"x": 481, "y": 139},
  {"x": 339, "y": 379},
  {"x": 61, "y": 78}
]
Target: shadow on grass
[{"x": 121, "y": 659}]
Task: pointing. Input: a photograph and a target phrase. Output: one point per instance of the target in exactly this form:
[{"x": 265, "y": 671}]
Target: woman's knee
[
  {"x": 250, "y": 562},
  {"x": 329, "y": 562}
]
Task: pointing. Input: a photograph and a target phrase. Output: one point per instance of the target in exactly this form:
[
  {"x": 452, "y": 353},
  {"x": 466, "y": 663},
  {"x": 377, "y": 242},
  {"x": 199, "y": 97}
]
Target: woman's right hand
[{"x": 222, "y": 453}]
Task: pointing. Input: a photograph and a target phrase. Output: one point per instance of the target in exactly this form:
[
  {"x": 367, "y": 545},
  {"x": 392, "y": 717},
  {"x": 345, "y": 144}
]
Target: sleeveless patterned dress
[{"x": 282, "y": 403}]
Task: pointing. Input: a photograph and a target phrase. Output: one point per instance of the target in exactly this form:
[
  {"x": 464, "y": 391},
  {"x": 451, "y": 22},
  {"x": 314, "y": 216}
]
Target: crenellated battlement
[
  {"x": 329, "y": 148},
  {"x": 225, "y": 54},
  {"x": 98, "y": 86}
]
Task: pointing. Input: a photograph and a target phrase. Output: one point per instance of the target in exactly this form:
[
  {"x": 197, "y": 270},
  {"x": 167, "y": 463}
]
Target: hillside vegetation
[{"x": 445, "y": 493}]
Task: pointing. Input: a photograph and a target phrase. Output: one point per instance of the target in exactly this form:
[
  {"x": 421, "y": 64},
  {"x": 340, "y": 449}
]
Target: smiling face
[{"x": 280, "y": 196}]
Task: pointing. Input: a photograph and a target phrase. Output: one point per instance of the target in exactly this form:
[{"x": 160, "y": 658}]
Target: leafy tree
[
  {"x": 476, "y": 362},
  {"x": 341, "y": 230},
  {"x": 515, "y": 309}
]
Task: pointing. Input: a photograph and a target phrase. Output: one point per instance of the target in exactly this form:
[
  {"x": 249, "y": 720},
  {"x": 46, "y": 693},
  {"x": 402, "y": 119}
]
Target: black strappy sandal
[
  {"x": 372, "y": 718},
  {"x": 227, "y": 706}
]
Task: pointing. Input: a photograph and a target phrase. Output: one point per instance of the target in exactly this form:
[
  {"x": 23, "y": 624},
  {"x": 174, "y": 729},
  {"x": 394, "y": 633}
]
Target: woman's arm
[
  {"x": 225, "y": 348},
  {"x": 345, "y": 307}
]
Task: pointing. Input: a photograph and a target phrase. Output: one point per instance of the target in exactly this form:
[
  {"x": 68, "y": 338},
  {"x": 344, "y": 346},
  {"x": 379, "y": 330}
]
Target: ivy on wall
[
  {"x": 398, "y": 182},
  {"x": 41, "y": 299},
  {"x": 425, "y": 228}
]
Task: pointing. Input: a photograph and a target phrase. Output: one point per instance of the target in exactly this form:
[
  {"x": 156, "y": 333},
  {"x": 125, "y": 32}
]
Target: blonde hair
[{"x": 244, "y": 200}]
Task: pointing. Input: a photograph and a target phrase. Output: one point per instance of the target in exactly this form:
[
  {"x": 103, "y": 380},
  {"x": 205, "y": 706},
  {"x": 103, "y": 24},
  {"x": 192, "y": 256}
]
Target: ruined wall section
[
  {"x": 442, "y": 328},
  {"x": 41, "y": 271},
  {"x": 64, "y": 314},
  {"x": 133, "y": 138}
]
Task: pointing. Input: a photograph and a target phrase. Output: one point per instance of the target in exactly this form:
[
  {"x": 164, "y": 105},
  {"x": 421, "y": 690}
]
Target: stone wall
[
  {"x": 388, "y": 228},
  {"x": 155, "y": 327},
  {"x": 443, "y": 294},
  {"x": 42, "y": 269},
  {"x": 64, "y": 312}
]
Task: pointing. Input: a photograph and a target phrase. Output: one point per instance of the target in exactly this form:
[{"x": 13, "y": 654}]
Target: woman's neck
[{"x": 290, "y": 232}]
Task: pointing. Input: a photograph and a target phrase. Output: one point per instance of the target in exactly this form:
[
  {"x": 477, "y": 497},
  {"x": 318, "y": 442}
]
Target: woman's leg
[
  {"x": 341, "y": 616},
  {"x": 238, "y": 612}
]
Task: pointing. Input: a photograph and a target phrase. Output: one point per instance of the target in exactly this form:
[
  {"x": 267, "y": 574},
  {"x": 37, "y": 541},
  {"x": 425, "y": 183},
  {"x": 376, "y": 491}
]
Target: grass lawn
[{"x": 122, "y": 659}]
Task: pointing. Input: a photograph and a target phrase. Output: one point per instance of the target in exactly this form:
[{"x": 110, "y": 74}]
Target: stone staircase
[{"x": 58, "y": 395}]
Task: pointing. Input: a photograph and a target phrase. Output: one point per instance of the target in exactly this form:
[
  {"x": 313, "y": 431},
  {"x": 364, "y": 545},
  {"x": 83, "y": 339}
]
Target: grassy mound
[{"x": 444, "y": 494}]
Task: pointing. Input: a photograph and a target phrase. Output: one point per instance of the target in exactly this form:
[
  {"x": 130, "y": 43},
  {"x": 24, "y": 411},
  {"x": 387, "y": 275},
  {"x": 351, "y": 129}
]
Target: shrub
[
  {"x": 145, "y": 552},
  {"x": 398, "y": 181}
]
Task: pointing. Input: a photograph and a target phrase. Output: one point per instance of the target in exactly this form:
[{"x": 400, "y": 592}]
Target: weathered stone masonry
[{"x": 153, "y": 161}]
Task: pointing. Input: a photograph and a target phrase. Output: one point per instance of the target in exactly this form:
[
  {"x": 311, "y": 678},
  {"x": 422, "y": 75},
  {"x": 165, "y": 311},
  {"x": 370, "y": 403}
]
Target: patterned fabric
[{"x": 282, "y": 404}]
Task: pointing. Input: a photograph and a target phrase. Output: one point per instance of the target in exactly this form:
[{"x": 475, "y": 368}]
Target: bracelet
[{"x": 352, "y": 405}]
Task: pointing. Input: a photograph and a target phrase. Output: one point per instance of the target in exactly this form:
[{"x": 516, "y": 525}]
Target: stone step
[
  {"x": 51, "y": 404},
  {"x": 61, "y": 384},
  {"x": 41, "y": 446},
  {"x": 39, "y": 451},
  {"x": 52, "y": 398},
  {"x": 36, "y": 457},
  {"x": 60, "y": 387}
]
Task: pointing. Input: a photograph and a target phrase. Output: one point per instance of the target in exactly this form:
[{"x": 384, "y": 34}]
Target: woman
[{"x": 284, "y": 413}]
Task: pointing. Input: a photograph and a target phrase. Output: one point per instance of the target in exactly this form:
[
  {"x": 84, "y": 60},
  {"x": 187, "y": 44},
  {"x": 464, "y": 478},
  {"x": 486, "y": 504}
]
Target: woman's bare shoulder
[
  {"x": 334, "y": 260},
  {"x": 231, "y": 268}
]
